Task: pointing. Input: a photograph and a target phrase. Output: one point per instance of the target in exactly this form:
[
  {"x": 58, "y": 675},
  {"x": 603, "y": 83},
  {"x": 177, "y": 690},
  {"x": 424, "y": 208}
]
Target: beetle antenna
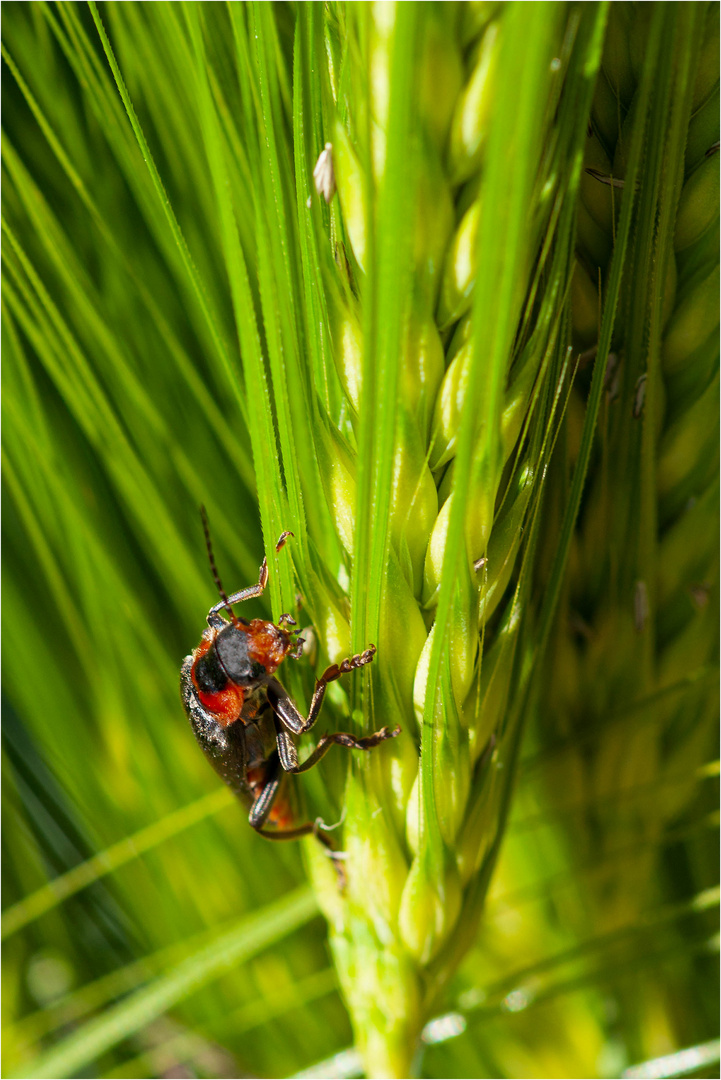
[{"x": 211, "y": 557}]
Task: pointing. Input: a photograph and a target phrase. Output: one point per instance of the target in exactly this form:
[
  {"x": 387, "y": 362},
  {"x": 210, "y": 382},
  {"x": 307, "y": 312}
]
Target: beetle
[{"x": 245, "y": 720}]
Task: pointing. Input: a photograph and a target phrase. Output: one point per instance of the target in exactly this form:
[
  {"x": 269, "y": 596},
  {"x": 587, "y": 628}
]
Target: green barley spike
[{"x": 471, "y": 322}]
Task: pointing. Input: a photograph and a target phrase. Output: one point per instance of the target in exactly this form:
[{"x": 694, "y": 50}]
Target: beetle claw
[
  {"x": 298, "y": 651},
  {"x": 282, "y": 539}
]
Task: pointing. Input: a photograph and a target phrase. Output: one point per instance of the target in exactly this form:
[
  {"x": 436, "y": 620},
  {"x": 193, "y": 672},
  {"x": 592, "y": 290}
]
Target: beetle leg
[
  {"x": 288, "y": 752},
  {"x": 262, "y": 807},
  {"x": 289, "y": 712},
  {"x": 253, "y": 590},
  {"x": 244, "y": 594},
  {"x": 311, "y": 827},
  {"x": 298, "y": 650},
  {"x": 263, "y": 804},
  {"x": 295, "y": 833}
]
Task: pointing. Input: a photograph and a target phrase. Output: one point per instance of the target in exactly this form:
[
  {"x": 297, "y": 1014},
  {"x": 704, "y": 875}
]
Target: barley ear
[{"x": 448, "y": 344}]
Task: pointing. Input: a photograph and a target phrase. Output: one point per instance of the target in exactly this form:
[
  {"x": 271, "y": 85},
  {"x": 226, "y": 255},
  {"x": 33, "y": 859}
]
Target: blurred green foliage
[{"x": 148, "y": 931}]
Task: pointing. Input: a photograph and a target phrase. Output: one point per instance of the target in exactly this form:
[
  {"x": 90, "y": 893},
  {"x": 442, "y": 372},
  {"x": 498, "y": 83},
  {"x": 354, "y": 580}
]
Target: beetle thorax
[{"x": 232, "y": 647}]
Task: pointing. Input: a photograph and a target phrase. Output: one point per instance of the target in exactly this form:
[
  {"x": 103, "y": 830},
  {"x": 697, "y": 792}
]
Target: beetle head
[{"x": 268, "y": 644}]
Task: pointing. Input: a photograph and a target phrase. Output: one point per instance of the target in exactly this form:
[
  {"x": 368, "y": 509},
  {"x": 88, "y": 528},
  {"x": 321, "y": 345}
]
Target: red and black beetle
[{"x": 244, "y": 719}]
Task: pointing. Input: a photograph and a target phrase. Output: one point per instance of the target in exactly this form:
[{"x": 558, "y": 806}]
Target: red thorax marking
[
  {"x": 226, "y": 705},
  {"x": 267, "y": 645}
]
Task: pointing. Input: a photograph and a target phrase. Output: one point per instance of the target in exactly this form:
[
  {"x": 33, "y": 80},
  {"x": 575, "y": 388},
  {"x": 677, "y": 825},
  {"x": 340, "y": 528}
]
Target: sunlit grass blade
[
  {"x": 252, "y": 935},
  {"x": 475, "y": 372}
]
